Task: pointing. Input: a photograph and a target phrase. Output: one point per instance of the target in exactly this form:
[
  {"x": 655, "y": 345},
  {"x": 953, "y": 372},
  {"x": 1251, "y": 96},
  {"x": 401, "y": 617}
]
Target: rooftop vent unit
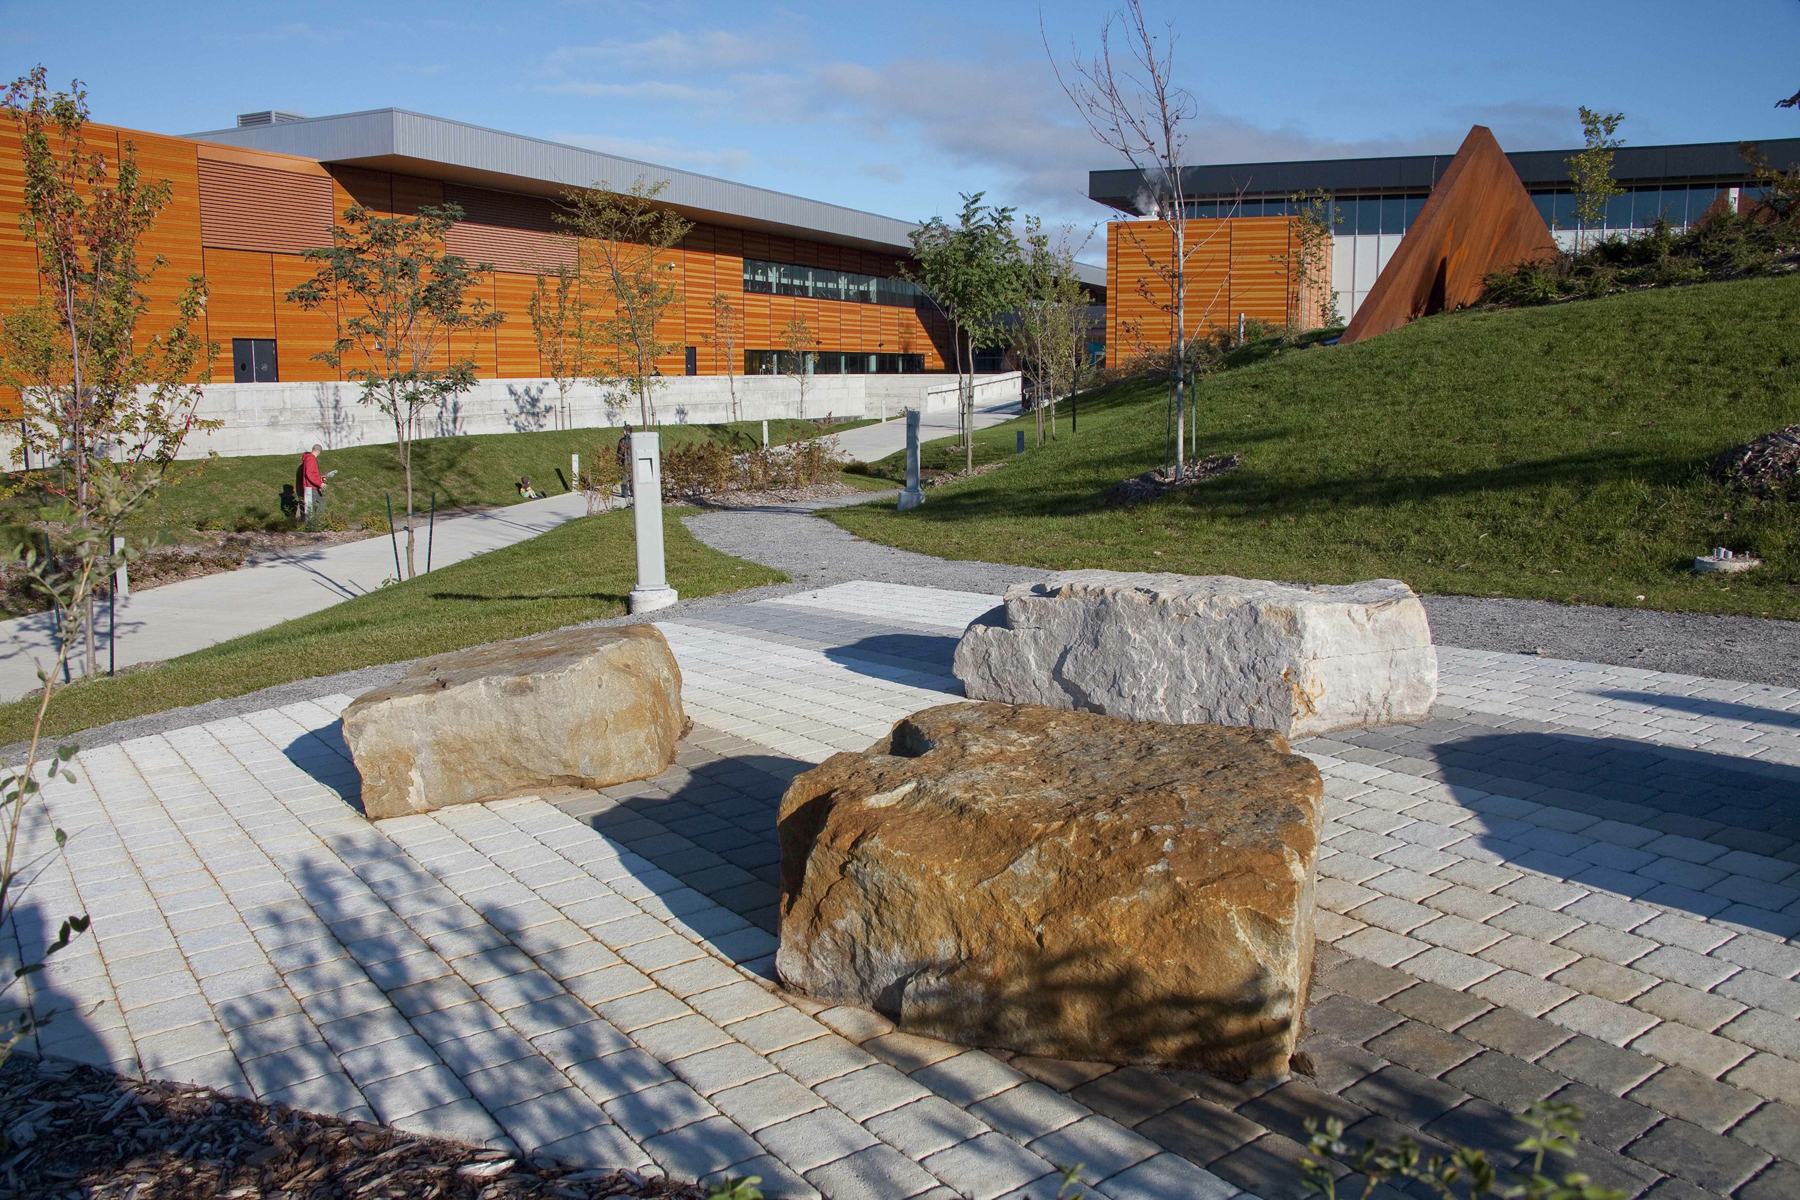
[{"x": 269, "y": 117}]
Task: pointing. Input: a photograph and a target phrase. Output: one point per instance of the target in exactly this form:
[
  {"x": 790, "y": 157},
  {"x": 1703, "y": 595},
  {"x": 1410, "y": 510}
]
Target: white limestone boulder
[
  {"x": 576, "y": 708},
  {"x": 1211, "y": 649}
]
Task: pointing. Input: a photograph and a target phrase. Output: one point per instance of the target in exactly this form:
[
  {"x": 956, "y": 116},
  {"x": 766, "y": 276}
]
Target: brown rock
[
  {"x": 1060, "y": 883},
  {"x": 576, "y": 708}
]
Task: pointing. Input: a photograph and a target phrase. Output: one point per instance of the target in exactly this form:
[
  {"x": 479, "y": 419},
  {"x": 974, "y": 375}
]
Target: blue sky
[{"x": 897, "y": 107}]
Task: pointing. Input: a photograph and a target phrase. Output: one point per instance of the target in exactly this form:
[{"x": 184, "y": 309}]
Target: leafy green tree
[
  {"x": 399, "y": 298},
  {"x": 625, "y": 239},
  {"x": 972, "y": 272},
  {"x": 726, "y": 332},
  {"x": 1590, "y": 170},
  {"x": 109, "y": 390}
]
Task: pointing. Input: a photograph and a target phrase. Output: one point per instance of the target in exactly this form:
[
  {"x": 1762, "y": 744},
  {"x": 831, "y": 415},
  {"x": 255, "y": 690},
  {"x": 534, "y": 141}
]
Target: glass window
[
  {"x": 1248, "y": 208},
  {"x": 1414, "y": 206},
  {"x": 1646, "y": 206},
  {"x": 1565, "y": 210},
  {"x": 1393, "y": 214},
  {"x": 1618, "y": 212},
  {"x": 1546, "y": 205}
]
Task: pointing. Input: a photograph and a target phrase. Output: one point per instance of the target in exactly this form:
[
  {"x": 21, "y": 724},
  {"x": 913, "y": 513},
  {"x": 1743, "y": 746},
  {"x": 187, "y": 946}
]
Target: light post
[{"x": 652, "y": 591}]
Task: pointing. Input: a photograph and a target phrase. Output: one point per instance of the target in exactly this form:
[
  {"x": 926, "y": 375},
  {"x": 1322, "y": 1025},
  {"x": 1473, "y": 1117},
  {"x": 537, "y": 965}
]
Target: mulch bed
[
  {"x": 1153, "y": 484},
  {"x": 72, "y": 1131},
  {"x": 928, "y": 478},
  {"x": 1768, "y": 466}
]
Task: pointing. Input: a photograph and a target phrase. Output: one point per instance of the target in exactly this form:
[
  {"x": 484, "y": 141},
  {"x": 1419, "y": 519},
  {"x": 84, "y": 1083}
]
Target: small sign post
[
  {"x": 652, "y": 591},
  {"x": 912, "y": 496}
]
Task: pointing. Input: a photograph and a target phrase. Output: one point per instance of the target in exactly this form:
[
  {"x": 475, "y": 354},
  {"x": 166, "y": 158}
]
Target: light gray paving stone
[
  {"x": 702, "y": 1148},
  {"x": 403, "y": 1095},
  {"x": 734, "y": 1002},
  {"x": 987, "y": 1167},
  {"x": 462, "y": 1120},
  {"x": 872, "y": 1090},
  {"x": 602, "y": 1144},
  {"x": 1528, "y": 955},
  {"x": 1533, "y": 921},
  {"x": 1603, "y": 1020},
  {"x": 719, "y": 1067},
  {"x": 829, "y": 1057},
  {"x": 776, "y": 1030},
  {"x": 767, "y": 1100},
  {"x": 1164, "y": 1176},
  {"x": 1695, "y": 1009},
  {"x": 690, "y": 1034},
  {"x": 1768, "y": 1075},
  {"x": 550, "y": 1118},
  {"x": 1765, "y": 1030},
  {"x": 1101, "y": 1148},
  {"x": 968, "y": 1078},
  {"x": 1700, "y": 1052},
  {"x": 1028, "y": 1111},
  {"x": 877, "y": 1173},
  {"x": 925, "y": 1126},
  {"x": 1513, "y": 989},
  {"x": 815, "y": 1138},
  {"x": 615, "y": 1075},
  {"x": 645, "y": 1112},
  {"x": 1754, "y": 988}
]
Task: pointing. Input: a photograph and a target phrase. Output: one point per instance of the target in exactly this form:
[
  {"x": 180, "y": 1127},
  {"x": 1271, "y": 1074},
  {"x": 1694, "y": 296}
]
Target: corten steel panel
[
  {"x": 510, "y": 232},
  {"x": 515, "y": 342},
  {"x": 245, "y": 207},
  {"x": 300, "y": 333},
  {"x": 240, "y": 302},
  {"x": 1478, "y": 220}
]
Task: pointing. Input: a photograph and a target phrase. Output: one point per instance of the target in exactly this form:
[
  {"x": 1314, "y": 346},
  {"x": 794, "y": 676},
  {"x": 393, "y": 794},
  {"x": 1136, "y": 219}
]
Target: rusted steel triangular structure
[{"x": 1479, "y": 220}]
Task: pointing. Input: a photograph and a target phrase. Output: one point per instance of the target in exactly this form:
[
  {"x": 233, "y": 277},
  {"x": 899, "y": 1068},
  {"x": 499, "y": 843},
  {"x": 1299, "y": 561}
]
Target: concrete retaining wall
[{"x": 288, "y": 418}]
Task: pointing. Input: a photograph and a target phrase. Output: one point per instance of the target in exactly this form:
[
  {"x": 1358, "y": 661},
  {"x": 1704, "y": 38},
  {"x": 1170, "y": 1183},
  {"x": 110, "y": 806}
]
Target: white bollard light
[
  {"x": 122, "y": 576},
  {"x": 574, "y": 471},
  {"x": 652, "y": 591},
  {"x": 765, "y": 435},
  {"x": 912, "y": 496}
]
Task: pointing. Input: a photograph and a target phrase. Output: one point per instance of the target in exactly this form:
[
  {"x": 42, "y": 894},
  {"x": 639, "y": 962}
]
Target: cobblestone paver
[{"x": 1575, "y": 881}]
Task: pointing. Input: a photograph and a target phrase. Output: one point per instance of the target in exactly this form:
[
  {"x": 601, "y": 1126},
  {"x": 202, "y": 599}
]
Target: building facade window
[
  {"x": 821, "y": 283},
  {"x": 253, "y": 361},
  {"x": 832, "y": 362}
]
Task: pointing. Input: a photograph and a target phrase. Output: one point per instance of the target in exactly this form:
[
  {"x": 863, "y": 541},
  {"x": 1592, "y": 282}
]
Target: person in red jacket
[{"x": 309, "y": 483}]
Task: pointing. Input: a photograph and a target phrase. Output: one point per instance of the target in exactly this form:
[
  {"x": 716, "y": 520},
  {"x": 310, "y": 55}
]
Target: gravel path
[{"x": 1752, "y": 649}]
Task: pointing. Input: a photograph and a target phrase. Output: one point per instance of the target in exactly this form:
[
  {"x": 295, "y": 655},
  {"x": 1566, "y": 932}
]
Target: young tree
[
  {"x": 1052, "y": 320},
  {"x": 1132, "y": 105},
  {"x": 399, "y": 297},
  {"x": 970, "y": 271},
  {"x": 727, "y": 331},
  {"x": 563, "y": 329},
  {"x": 103, "y": 391},
  {"x": 109, "y": 388},
  {"x": 1308, "y": 263},
  {"x": 625, "y": 239},
  {"x": 799, "y": 348},
  {"x": 1590, "y": 170}
]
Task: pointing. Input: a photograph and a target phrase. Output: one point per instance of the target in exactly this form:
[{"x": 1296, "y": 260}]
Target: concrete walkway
[
  {"x": 871, "y": 443},
  {"x": 179, "y": 618},
  {"x": 1574, "y": 881}
]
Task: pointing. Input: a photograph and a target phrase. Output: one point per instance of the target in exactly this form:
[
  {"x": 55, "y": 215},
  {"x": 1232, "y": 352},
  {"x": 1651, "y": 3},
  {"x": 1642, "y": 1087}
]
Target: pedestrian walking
[{"x": 309, "y": 484}]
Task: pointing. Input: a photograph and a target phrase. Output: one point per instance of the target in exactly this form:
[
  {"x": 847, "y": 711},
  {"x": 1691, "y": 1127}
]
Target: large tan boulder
[
  {"x": 1060, "y": 883},
  {"x": 577, "y": 708},
  {"x": 1209, "y": 649}
]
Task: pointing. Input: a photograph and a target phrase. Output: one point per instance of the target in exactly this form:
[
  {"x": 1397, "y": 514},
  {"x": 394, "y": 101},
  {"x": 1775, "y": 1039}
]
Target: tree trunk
[{"x": 403, "y": 439}]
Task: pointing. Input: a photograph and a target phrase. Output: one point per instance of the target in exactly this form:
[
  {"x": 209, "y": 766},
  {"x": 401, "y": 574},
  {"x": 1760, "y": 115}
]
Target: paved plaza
[{"x": 1574, "y": 881}]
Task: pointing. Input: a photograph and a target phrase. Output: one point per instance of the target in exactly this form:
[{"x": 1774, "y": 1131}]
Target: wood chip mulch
[
  {"x": 1151, "y": 485},
  {"x": 1768, "y": 466},
  {"x": 70, "y": 1131}
]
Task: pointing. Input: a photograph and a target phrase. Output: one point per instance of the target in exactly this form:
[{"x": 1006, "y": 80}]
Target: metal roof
[
  {"x": 1696, "y": 162},
  {"x": 395, "y": 139}
]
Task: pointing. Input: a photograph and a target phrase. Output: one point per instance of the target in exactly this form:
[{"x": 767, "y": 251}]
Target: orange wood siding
[
  {"x": 240, "y": 302},
  {"x": 254, "y": 211},
  {"x": 1235, "y": 265}
]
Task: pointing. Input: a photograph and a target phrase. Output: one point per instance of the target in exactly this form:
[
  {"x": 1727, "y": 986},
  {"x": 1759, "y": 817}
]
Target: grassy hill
[{"x": 1553, "y": 453}]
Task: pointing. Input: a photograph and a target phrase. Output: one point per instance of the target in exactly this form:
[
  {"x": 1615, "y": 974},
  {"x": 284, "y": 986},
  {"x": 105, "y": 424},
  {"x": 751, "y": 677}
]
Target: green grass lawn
[
  {"x": 245, "y": 493},
  {"x": 577, "y": 572},
  {"x": 1554, "y": 453}
]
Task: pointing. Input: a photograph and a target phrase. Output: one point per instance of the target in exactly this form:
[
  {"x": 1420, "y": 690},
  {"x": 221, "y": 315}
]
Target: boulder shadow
[
  {"x": 1734, "y": 803},
  {"x": 324, "y": 755},
  {"x": 1722, "y": 710}
]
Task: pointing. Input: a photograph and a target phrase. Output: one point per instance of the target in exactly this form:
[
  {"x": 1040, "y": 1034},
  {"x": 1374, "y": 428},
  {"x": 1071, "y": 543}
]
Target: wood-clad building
[
  {"x": 1235, "y": 266},
  {"x": 248, "y": 202}
]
